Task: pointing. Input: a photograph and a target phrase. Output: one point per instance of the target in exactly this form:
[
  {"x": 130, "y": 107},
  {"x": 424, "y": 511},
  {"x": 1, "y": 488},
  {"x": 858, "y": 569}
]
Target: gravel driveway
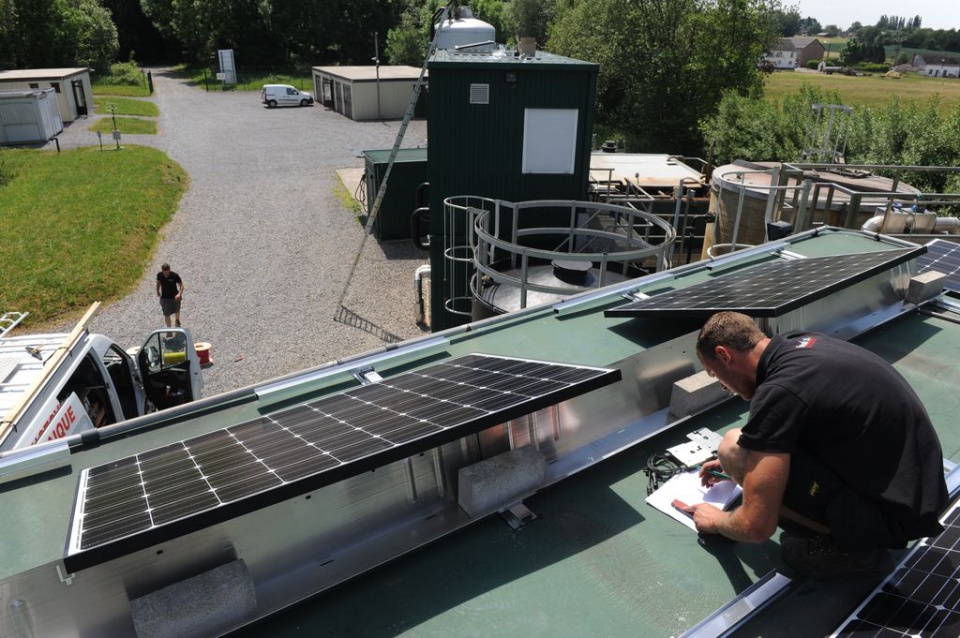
[{"x": 263, "y": 245}]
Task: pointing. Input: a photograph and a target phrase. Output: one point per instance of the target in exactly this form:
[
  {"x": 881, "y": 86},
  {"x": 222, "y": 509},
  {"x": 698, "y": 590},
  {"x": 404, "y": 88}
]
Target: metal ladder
[
  {"x": 9, "y": 321},
  {"x": 344, "y": 314}
]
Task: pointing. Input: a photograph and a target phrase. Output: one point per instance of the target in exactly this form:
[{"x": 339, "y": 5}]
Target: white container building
[{"x": 30, "y": 115}]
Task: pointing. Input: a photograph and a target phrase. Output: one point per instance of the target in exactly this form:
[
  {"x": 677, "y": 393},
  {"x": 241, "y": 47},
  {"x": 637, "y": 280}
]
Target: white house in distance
[
  {"x": 783, "y": 55},
  {"x": 72, "y": 86},
  {"x": 936, "y": 66}
]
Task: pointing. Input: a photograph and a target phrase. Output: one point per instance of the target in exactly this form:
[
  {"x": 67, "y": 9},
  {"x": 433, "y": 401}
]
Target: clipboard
[{"x": 685, "y": 487}]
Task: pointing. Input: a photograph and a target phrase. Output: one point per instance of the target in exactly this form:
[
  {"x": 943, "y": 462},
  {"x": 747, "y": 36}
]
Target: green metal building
[
  {"x": 502, "y": 127},
  {"x": 408, "y": 172}
]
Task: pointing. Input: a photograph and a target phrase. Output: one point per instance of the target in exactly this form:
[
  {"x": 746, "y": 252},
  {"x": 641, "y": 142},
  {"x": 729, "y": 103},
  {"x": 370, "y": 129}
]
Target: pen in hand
[{"x": 719, "y": 475}]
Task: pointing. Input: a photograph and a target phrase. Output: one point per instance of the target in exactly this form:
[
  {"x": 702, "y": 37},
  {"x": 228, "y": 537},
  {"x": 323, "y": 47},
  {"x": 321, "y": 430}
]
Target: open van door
[{"x": 170, "y": 367}]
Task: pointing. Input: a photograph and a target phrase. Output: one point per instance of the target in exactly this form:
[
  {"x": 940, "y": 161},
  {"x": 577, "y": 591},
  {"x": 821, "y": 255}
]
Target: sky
[{"x": 934, "y": 14}]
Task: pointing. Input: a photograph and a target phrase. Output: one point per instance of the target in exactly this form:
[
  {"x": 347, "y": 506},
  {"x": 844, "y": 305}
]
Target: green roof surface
[{"x": 599, "y": 560}]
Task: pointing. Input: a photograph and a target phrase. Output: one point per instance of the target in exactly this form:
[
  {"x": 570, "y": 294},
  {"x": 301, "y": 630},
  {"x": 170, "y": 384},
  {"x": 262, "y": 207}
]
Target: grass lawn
[
  {"x": 126, "y": 106},
  {"x": 128, "y": 125},
  {"x": 81, "y": 225},
  {"x": 873, "y": 91},
  {"x": 123, "y": 90}
]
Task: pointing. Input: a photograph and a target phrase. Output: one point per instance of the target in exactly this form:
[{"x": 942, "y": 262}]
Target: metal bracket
[
  {"x": 636, "y": 295},
  {"x": 518, "y": 515},
  {"x": 366, "y": 376},
  {"x": 66, "y": 579},
  {"x": 701, "y": 448}
]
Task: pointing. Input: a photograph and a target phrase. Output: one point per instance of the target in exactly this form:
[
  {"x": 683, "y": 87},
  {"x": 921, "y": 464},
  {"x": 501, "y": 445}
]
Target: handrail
[{"x": 496, "y": 238}]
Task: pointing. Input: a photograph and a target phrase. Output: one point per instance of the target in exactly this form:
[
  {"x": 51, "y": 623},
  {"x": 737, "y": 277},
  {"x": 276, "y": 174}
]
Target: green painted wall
[{"x": 477, "y": 149}]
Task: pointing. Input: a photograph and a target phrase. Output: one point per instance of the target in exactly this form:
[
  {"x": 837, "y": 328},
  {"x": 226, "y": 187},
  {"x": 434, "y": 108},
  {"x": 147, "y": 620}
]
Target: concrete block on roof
[
  {"x": 925, "y": 286},
  {"x": 208, "y": 604},
  {"x": 695, "y": 393},
  {"x": 494, "y": 483}
]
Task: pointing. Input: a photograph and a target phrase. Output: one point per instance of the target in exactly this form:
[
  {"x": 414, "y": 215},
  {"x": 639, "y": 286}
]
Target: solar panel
[
  {"x": 921, "y": 597},
  {"x": 942, "y": 256},
  {"x": 769, "y": 289},
  {"x": 138, "y": 501}
]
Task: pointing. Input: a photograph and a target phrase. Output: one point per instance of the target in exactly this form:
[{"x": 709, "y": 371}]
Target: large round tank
[
  {"x": 464, "y": 30},
  {"x": 748, "y": 187},
  {"x": 493, "y": 298}
]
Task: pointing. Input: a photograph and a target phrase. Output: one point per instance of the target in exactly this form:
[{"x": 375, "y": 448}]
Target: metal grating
[
  {"x": 479, "y": 94},
  {"x": 137, "y": 501},
  {"x": 921, "y": 598},
  {"x": 768, "y": 289}
]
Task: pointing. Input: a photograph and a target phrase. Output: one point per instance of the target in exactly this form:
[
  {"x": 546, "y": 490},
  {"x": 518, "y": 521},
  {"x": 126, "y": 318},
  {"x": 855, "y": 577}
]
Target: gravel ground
[{"x": 262, "y": 243}]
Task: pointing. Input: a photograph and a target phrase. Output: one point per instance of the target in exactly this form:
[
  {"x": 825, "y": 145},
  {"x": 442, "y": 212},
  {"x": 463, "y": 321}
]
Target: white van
[{"x": 284, "y": 95}]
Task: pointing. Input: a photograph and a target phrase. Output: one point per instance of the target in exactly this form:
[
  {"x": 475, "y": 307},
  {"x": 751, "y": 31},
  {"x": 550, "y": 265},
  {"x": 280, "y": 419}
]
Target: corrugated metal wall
[{"x": 477, "y": 149}]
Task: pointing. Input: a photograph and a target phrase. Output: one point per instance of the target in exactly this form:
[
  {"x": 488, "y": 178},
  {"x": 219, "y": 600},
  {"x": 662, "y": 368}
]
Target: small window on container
[
  {"x": 55, "y": 86},
  {"x": 34, "y": 85}
]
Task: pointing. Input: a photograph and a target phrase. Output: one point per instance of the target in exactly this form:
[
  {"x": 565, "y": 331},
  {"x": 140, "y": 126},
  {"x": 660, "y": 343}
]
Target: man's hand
[
  {"x": 709, "y": 471},
  {"x": 177, "y": 297},
  {"x": 707, "y": 517}
]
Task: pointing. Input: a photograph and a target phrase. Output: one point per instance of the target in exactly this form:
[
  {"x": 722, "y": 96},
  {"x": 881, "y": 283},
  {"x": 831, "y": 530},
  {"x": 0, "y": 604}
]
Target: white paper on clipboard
[{"x": 686, "y": 487}]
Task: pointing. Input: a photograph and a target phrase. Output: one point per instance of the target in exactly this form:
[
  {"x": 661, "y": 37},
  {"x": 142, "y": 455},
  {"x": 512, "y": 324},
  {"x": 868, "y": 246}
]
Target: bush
[
  {"x": 123, "y": 74},
  {"x": 873, "y": 67},
  {"x": 813, "y": 64}
]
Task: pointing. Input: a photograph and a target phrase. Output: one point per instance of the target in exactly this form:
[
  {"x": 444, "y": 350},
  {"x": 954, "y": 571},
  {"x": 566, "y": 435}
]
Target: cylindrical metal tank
[
  {"x": 491, "y": 298},
  {"x": 748, "y": 187},
  {"x": 464, "y": 30}
]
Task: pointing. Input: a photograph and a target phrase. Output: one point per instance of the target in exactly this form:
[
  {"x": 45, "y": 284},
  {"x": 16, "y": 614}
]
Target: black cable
[{"x": 660, "y": 468}]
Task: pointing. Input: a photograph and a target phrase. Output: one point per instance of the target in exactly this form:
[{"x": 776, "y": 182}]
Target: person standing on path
[{"x": 170, "y": 291}]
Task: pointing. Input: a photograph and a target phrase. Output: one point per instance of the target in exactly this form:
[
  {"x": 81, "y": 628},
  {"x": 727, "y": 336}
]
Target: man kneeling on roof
[{"x": 838, "y": 449}]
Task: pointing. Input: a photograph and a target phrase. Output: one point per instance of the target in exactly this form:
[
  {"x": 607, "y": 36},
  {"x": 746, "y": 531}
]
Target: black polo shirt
[
  {"x": 169, "y": 286},
  {"x": 853, "y": 412}
]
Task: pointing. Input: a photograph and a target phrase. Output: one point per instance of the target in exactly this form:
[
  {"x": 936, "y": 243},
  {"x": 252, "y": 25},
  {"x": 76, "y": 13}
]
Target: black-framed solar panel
[
  {"x": 768, "y": 289},
  {"x": 921, "y": 597},
  {"x": 942, "y": 256},
  {"x": 138, "y": 501}
]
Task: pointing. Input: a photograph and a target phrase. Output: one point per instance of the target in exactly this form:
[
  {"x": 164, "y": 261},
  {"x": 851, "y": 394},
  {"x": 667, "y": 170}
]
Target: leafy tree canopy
[
  {"x": 664, "y": 64},
  {"x": 56, "y": 33}
]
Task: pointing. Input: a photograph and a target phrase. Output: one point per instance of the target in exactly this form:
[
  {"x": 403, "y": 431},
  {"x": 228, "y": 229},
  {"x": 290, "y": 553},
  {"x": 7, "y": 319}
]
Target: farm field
[{"x": 873, "y": 91}]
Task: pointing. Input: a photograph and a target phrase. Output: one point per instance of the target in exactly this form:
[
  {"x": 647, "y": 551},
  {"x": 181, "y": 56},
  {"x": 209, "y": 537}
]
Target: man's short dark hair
[
  {"x": 164, "y": 266},
  {"x": 731, "y": 329}
]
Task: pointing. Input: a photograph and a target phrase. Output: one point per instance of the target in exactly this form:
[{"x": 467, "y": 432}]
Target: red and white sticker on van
[{"x": 58, "y": 420}]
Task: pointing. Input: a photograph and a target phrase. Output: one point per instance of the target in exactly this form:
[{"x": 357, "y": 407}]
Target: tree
[
  {"x": 94, "y": 38},
  {"x": 265, "y": 32},
  {"x": 851, "y": 53},
  {"x": 56, "y": 33},
  {"x": 788, "y": 22},
  {"x": 528, "y": 18},
  {"x": 810, "y": 26},
  {"x": 407, "y": 43},
  {"x": 664, "y": 64}
]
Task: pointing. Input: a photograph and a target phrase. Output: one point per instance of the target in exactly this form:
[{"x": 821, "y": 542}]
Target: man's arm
[
  {"x": 180, "y": 289},
  {"x": 764, "y": 481},
  {"x": 158, "y": 287}
]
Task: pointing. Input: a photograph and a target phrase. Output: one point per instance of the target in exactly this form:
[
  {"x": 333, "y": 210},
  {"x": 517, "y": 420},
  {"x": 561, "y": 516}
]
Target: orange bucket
[{"x": 203, "y": 352}]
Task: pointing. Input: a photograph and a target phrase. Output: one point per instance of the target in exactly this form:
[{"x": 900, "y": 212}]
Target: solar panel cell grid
[
  {"x": 942, "y": 256},
  {"x": 769, "y": 289},
  {"x": 921, "y": 597},
  {"x": 203, "y": 474}
]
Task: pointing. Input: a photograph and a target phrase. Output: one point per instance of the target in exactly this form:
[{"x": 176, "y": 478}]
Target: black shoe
[{"x": 819, "y": 557}]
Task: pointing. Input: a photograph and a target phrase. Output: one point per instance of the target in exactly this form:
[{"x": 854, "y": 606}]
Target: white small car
[{"x": 284, "y": 95}]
